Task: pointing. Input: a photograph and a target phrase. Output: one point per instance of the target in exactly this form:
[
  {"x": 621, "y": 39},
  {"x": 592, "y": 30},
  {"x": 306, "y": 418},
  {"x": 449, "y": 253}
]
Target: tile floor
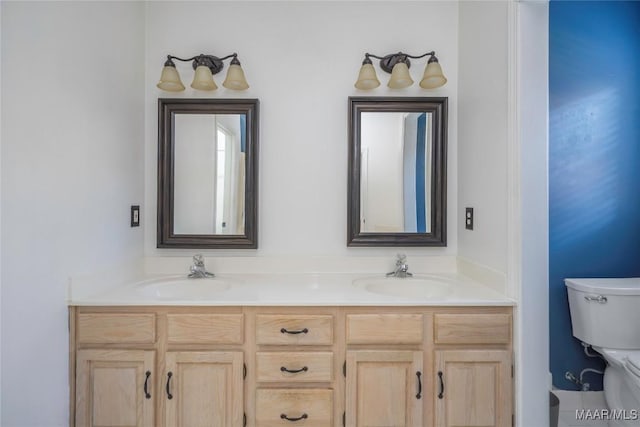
[{"x": 570, "y": 401}]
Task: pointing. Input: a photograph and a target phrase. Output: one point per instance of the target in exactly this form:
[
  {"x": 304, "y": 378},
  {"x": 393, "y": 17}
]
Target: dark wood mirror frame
[
  {"x": 437, "y": 106},
  {"x": 167, "y": 108}
]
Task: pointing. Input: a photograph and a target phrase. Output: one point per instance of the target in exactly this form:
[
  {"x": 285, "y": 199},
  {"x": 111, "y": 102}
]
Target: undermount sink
[
  {"x": 409, "y": 287},
  {"x": 182, "y": 288}
]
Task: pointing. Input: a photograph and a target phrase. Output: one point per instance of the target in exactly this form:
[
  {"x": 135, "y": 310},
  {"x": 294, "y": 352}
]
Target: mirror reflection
[
  {"x": 395, "y": 179},
  {"x": 209, "y": 174},
  {"x": 397, "y": 171}
]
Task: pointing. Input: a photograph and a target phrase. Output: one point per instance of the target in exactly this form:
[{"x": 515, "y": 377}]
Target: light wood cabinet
[
  {"x": 116, "y": 328},
  {"x": 294, "y": 329},
  {"x": 384, "y": 388},
  {"x": 204, "y": 388},
  {"x": 467, "y": 328},
  {"x": 157, "y": 366},
  {"x": 205, "y": 328},
  {"x": 283, "y": 407},
  {"x": 289, "y": 366},
  {"x": 115, "y": 388},
  {"x": 385, "y": 328},
  {"x": 294, "y": 367},
  {"x": 466, "y": 351},
  {"x": 474, "y": 388}
]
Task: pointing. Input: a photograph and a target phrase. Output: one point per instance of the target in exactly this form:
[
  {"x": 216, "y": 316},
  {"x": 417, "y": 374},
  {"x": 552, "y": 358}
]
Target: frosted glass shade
[
  {"x": 433, "y": 76},
  {"x": 367, "y": 78},
  {"x": 235, "y": 78},
  {"x": 400, "y": 77},
  {"x": 203, "y": 79},
  {"x": 170, "y": 80}
]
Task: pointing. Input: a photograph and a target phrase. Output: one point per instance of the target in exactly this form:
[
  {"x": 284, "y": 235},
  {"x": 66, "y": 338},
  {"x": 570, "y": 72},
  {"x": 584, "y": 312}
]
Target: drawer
[
  {"x": 313, "y": 407},
  {"x": 294, "y": 366},
  {"x": 205, "y": 328},
  {"x": 472, "y": 328},
  {"x": 384, "y": 328},
  {"x": 294, "y": 329},
  {"x": 104, "y": 328}
]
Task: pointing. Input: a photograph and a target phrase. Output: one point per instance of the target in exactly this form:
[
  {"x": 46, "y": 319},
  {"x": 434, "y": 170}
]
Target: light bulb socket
[
  {"x": 367, "y": 60},
  {"x": 169, "y": 62},
  {"x": 387, "y": 62},
  {"x": 235, "y": 61},
  {"x": 432, "y": 58},
  {"x": 214, "y": 63}
]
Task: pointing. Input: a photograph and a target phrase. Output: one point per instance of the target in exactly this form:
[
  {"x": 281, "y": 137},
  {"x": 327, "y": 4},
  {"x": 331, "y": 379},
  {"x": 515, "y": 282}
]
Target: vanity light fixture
[
  {"x": 205, "y": 67},
  {"x": 398, "y": 65}
]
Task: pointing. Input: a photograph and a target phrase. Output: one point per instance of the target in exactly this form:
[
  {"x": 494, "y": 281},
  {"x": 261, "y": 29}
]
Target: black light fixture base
[
  {"x": 214, "y": 63},
  {"x": 387, "y": 62}
]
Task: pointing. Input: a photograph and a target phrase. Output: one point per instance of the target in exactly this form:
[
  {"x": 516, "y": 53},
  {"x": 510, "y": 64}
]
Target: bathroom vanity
[{"x": 301, "y": 359}]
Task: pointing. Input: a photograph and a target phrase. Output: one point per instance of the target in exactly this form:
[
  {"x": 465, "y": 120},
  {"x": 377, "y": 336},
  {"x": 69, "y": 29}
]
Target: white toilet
[{"x": 606, "y": 314}]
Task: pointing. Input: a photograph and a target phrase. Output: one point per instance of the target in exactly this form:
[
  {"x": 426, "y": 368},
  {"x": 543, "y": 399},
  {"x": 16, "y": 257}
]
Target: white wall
[
  {"x": 1, "y": 44},
  {"x": 70, "y": 172},
  {"x": 301, "y": 60},
  {"x": 502, "y": 164},
  {"x": 72, "y": 156},
  {"x": 482, "y": 138},
  {"x": 532, "y": 323}
]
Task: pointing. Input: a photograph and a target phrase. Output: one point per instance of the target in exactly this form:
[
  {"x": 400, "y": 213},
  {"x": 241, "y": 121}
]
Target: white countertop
[{"x": 318, "y": 289}]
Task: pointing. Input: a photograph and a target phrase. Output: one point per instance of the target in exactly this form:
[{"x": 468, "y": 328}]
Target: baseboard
[{"x": 572, "y": 400}]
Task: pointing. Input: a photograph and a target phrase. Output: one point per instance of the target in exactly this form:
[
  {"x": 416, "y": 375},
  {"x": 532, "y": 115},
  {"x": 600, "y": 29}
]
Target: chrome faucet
[
  {"x": 402, "y": 268},
  {"x": 198, "y": 270}
]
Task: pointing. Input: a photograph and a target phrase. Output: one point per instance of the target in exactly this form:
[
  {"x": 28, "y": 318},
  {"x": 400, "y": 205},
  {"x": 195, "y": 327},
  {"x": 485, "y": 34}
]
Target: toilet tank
[{"x": 605, "y": 312}]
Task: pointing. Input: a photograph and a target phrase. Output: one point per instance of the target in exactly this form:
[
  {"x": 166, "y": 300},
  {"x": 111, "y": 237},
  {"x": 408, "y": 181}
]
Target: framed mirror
[
  {"x": 207, "y": 173},
  {"x": 397, "y": 185}
]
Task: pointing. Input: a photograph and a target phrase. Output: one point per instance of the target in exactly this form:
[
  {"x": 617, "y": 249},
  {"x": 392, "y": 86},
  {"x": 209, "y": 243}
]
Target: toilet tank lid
[{"x": 622, "y": 286}]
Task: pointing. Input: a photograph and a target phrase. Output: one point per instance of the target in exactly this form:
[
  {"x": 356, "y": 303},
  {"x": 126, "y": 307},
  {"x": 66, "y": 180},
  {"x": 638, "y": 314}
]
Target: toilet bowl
[
  {"x": 605, "y": 314},
  {"x": 632, "y": 368},
  {"x": 622, "y": 384}
]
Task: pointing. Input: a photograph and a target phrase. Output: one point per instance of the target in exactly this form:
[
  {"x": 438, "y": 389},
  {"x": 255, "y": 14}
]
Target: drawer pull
[
  {"x": 419, "y": 375},
  {"x": 294, "y": 371},
  {"x": 302, "y": 331},
  {"x": 169, "y": 395},
  {"x": 441, "y": 393},
  {"x": 301, "y": 417},
  {"x": 146, "y": 384}
]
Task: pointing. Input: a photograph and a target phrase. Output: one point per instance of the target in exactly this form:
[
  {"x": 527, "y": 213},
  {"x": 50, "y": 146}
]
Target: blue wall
[{"x": 594, "y": 159}]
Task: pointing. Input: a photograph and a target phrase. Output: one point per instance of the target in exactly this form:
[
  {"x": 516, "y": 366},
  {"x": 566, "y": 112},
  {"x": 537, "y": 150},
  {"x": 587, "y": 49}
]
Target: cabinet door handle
[
  {"x": 146, "y": 384},
  {"x": 441, "y": 393},
  {"x": 169, "y": 375},
  {"x": 301, "y": 331},
  {"x": 294, "y": 371},
  {"x": 419, "y": 375},
  {"x": 301, "y": 417}
]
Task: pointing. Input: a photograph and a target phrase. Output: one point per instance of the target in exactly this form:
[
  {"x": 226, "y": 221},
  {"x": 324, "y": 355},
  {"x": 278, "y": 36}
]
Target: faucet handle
[
  {"x": 400, "y": 259},
  {"x": 198, "y": 260}
]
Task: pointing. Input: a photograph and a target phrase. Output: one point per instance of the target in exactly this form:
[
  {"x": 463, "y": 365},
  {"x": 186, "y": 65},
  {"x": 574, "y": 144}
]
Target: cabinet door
[
  {"x": 384, "y": 388},
  {"x": 204, "y": 388},
  {"x": 473, "y": 388},
  {"x": 114, "y": 388}
]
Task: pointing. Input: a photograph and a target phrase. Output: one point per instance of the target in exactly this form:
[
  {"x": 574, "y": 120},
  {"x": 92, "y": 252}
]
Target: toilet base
[{"x": 620, "y": 399}]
